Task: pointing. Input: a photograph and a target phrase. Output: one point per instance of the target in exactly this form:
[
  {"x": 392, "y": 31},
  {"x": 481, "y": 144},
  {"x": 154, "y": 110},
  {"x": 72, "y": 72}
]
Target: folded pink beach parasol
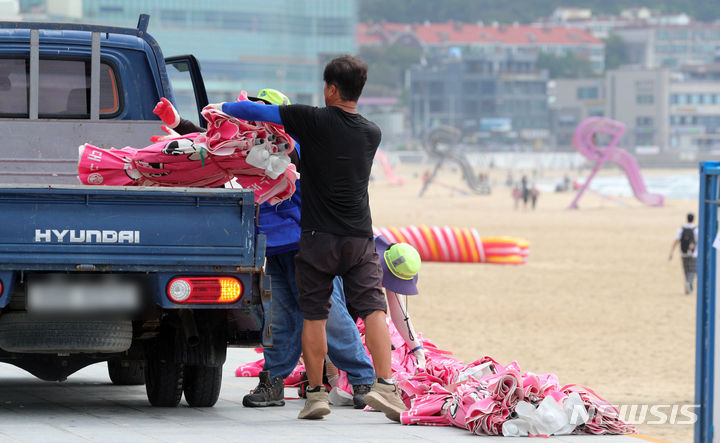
[{"x": 255, "y": 154}]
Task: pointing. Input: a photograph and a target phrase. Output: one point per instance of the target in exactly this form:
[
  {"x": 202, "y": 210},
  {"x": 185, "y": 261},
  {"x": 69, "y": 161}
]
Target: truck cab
[{"x": 158, "y": 282}]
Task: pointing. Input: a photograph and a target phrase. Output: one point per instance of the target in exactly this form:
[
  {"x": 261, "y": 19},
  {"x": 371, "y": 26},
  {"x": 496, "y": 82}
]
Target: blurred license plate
[{"x": 65, "y": 293}]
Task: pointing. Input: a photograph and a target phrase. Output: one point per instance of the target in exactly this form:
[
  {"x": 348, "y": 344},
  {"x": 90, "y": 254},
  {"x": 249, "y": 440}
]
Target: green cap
[
  {"x": 273, "y": 96},
  {"x": 402, "y": 260}
]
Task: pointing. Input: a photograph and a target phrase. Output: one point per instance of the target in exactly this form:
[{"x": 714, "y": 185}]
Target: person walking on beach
[
  {"x": 525, "y": 188},
  {"x": 687, "y": 238},
  {"x": 534, "y": 193},
  {"x": 338, "y": 147},
  {"x": 516, "y": 195}
]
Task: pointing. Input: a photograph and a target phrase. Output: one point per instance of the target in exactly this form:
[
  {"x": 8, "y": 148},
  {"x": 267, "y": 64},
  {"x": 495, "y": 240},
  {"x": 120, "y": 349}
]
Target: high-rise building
[
  {"x": 9, "y": 10},
  {"x": 242, "y": 45}
]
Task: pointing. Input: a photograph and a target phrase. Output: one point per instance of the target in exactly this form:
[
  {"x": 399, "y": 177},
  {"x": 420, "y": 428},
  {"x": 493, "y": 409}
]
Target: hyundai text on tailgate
[{"x": 155, "y": 281}]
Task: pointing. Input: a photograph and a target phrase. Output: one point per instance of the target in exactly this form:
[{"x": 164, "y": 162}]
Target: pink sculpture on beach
[
  {"x": 584, "y": 142},
  {"x": 390, "y": 175}
]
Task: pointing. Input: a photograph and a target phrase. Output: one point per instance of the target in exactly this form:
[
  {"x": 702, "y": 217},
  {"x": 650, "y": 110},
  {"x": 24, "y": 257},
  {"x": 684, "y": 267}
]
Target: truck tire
[
  {"x": 126, "y": 372},
  {"x": 163, "y": 382},
  {"x": 22, "y": 333},
  {"x": 202, "y": 385}
]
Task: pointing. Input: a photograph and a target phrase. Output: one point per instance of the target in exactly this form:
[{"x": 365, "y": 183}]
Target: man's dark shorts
[{"x": 322, "y": 256}]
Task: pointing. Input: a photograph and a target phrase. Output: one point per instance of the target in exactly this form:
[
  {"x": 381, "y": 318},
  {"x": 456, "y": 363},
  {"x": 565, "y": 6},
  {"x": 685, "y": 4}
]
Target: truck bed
[
  {"x": 104, "y": 228},
  {"x": 46, "y": 151}
]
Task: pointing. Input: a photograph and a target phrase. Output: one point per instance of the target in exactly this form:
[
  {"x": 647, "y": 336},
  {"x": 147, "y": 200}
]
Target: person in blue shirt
[
  {"x": 281, "y": 225},
  {"x": 336, "y": 239}
]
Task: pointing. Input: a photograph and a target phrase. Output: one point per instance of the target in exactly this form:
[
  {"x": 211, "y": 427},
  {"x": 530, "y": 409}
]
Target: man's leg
[
  {"x": 692, "y": 271},
  {"x": 345, "y": 347},
  {"x": 686, "y": 262},
  {"x": 385, "y": 395},
  {"x": 363, "y": 290},
  {"x": 377, "y": 339},
  {"x": 314, "y": 349},
  {"x": 314, "y": 346},
  {"x": 314, "y": 275},
  {"x": 287, "y": 320}
]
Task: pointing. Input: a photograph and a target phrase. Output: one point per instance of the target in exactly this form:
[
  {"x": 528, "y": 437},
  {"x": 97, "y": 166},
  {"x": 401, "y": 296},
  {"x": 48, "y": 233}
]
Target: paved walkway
[{"x": 88, "y": 407}]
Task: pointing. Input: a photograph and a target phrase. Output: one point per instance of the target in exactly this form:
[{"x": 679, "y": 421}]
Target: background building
[
  {"x": 639, "y": 98},
  {"x": 673, "y": 111},
  {"x": 514, "y": 39},
  {"x": 603, "y": 26},
  {"x": 497, "y": 98},
  {"x": 694, "y": 108},
  {"x": 675, "y": 114},
  {"x": 672, "y": 46},
  {"x": 571, "y": 101},
  {"x": 9, "y": 10},
  {"x": 240, "y": 45}
]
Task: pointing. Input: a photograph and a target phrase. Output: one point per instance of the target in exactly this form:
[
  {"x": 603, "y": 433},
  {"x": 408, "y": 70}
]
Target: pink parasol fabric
[
  {"x": 255, "y": 154},
  {"x": 480, "y": 396},
  {"x": 427, "y": 408}
]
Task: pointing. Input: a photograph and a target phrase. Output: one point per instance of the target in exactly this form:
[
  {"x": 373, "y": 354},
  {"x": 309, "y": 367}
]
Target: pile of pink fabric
[
  {"x": 484, "y": 397},
  {"x": 255, "y": 154}
]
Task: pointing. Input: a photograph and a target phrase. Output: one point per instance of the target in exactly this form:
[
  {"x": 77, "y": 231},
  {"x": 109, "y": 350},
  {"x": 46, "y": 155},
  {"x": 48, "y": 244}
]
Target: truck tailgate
[{"x": 126, "y": 229}]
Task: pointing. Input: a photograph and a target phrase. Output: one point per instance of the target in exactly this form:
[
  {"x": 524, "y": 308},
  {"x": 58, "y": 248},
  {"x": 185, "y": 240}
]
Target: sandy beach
[{"x": 597, "y": 304}]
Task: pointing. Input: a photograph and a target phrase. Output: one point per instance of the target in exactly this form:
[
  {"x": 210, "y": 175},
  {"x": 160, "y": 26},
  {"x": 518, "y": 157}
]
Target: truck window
[
  {"x": 64, "y": 89},
  {"x": 13, "y": 87},
  {"x": 180, "y": 75}
]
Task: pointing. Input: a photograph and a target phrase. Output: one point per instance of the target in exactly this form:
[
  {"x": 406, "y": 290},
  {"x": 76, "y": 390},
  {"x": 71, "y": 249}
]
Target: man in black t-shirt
[{"x": 338, "y": 147}]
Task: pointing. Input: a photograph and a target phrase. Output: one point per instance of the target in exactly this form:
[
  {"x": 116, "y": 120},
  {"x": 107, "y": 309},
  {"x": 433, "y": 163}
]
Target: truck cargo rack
[{"x": 95, "y": 30}]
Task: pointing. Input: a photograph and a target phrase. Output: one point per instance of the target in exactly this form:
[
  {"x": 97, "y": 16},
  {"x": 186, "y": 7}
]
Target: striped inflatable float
[{"x": 459, "y": 245}]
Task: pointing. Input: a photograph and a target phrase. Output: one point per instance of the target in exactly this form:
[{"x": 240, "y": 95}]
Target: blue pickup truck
[{"x": 158, "y": 282}]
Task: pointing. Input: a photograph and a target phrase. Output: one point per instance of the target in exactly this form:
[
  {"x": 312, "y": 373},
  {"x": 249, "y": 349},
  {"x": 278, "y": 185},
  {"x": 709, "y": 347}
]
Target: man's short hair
[
  {"x": 348, "y": 74},
  {"x": 690, "y": 217}
]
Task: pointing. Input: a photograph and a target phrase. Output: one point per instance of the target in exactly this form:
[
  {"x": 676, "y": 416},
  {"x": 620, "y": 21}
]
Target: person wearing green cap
[
  {"x": 175, "y": 125},
  {"x": 339, "y": 145},
  {"x": 400, "y": 263},
  {"x": 280, "y": 225}
]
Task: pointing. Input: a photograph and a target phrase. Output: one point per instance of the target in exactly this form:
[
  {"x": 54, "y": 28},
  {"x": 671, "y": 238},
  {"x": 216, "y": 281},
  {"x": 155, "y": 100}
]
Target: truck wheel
[
  {"x": 202, "y": 385},
  {"x": 126, "y": 372},
  {"x": 163, "y": 382}
]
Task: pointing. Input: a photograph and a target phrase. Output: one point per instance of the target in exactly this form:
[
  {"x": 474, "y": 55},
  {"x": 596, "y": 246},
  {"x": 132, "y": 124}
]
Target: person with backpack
[{"x": 687, "y": 238}]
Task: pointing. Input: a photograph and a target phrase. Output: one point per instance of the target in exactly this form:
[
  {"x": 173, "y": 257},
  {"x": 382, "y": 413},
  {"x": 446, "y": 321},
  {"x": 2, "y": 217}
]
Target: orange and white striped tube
[{"x": 458, "y": 245}]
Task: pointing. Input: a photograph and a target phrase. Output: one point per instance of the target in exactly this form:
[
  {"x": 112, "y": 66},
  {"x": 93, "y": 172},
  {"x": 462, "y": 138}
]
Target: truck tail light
[{"x": 204, "y": 289}]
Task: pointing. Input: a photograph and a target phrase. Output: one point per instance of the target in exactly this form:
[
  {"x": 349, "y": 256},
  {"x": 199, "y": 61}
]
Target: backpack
[{"x": 687, "y": 240}]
